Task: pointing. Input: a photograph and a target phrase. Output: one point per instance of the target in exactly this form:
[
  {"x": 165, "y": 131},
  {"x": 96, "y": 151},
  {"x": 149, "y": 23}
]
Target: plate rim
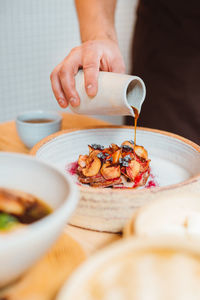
[{"x": 91, "y": 190}]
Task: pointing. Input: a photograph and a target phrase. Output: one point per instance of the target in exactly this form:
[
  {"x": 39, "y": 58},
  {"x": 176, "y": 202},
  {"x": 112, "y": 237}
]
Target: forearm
[{"x": 96, "y": 19}]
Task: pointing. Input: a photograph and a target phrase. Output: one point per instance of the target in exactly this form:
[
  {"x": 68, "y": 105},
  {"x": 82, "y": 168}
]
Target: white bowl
[
  {"x": 177, "y": 215},
  {"x": 175, "y": 164},
  {"x": 158, "y": 268},
  {"x": 19, "y": 250},
  {"x": 32, "y": 133}
]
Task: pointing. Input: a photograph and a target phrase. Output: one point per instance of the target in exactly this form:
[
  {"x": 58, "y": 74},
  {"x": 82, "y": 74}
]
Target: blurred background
[{"x": 35, "y": 36}]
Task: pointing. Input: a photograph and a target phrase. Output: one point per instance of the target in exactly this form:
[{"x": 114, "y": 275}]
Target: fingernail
[
  {"x": 73, "y": 101},
  {"x": 89, "y": 86},
  {"x": 62, "y": 102},
  {"x": 91, "y": 90}
]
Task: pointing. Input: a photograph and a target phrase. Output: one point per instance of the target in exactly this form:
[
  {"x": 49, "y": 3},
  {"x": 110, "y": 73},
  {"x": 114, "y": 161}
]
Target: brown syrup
[
  {"x": 135, "y": 122},
  {"x": 38, "y": 121}
]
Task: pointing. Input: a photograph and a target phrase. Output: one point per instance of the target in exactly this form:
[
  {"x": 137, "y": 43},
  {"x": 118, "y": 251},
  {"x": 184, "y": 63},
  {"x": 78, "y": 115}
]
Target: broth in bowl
[{"x": 18, "y": 209}]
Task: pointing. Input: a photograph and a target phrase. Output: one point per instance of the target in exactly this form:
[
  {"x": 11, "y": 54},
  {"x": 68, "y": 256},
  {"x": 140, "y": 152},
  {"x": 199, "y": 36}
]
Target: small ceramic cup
[
  {"x": 32, "y": 126},
  {"x": 116, "y": 94}
]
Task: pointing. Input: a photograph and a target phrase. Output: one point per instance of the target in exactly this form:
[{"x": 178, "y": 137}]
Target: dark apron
[{"x": 166, "y": 55}]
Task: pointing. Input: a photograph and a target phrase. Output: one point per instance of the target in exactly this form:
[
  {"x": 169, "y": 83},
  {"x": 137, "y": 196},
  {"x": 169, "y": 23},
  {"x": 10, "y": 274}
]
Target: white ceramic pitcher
[{"x": 116, "y": 94}]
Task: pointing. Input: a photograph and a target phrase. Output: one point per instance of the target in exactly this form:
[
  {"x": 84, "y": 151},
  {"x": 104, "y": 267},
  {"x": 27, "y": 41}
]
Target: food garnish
[
  {"x": 125, "y": 166},
  {"x": 7, "y": 221}
]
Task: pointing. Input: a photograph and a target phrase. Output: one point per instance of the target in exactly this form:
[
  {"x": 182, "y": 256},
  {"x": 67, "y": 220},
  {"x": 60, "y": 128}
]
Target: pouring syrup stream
[{"x": 135, "y": 122}]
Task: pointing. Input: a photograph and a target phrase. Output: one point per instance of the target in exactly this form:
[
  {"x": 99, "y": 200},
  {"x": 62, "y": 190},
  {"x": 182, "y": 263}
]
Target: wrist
[{"x": 106, "y": 34}]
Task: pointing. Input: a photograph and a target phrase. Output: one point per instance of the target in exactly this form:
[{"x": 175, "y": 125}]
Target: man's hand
[{"x": 91, "y": 56}]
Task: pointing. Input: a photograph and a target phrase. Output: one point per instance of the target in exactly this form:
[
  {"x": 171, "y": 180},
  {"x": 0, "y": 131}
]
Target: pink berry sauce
[
  {"x": 72, "y": 168},
  {"x": 151, "y": 182}
]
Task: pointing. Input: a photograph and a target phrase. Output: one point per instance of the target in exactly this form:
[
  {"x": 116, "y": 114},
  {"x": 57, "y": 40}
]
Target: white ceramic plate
[
  {"x": 177, "y": 215},
  {"x": 156, "y": 268},
  {"x": 173, "y": 159}
]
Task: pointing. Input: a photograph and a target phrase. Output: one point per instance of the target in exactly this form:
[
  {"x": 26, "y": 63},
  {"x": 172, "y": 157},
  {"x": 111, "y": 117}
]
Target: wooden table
[
  {"x": 9, "y": 141},
  {"x": 46, "y": 277}
]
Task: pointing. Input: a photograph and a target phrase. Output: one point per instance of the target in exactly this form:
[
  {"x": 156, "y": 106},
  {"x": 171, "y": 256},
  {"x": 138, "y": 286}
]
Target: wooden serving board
[{"x": 43, "y": 281}]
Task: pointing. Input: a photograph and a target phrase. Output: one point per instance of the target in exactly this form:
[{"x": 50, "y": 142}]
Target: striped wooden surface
[{"x": 44, "y": 279}]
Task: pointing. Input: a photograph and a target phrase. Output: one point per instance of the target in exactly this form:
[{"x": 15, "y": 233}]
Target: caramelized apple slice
[
  {"x": 129, "y": 144},
  {"x": 82, "y": 160},
  {"x": 114, "y": 147},
  {"x": 94, "y": 153},
  {"x": 141, "y": 152},
  {"x": 129, "y": 154},
  {"x": 91, "y": 157},
  {"x": 116, "y": 156},
  {"x": 110, "y": 172},
  {"x": 144, "y": 166},
  {"x": 92, "y": 167},
  {"x": 90, "y": 149},
  {"x": 123, "y": 171},
  {"x": 93, "y": 150},
  {"x": 133, "y": 169}
]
